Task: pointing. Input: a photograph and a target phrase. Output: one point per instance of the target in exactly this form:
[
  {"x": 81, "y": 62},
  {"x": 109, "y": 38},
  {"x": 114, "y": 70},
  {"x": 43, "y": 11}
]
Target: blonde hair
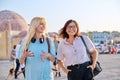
[{"x": 35, "y": 22}]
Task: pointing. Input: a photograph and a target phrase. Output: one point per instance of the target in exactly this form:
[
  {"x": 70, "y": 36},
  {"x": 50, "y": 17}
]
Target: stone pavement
[{"x": 109, "y": 63}]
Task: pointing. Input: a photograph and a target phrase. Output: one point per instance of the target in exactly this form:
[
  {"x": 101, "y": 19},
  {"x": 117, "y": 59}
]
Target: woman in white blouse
[{"x": 72, "y": 54}]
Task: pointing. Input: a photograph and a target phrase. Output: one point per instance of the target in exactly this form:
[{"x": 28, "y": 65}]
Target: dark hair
[
  {"x": 14, "y": 46},
  {"x": 63, "y": 33},
  {"x": 11, "y": 71}
]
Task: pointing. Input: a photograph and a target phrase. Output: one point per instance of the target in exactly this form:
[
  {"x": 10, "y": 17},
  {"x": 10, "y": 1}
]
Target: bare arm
[
  {"x": 22, "y": 59},
  {"x": 48, "y": 55},
  {"x": 24, "y": 55},
  {"x": 60, "y": 63},
  {"x": 94, "y": 58},
  {"x": 13, "y": 56},
  {"x": 52, "y": 58}
]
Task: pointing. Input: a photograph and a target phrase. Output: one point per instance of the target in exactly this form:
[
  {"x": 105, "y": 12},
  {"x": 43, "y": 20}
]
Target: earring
[{"x": 33, "y": 40}]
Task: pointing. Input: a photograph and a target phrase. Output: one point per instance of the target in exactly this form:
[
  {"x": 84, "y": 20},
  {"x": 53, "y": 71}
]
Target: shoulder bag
[{"x": 97, "y": 68}]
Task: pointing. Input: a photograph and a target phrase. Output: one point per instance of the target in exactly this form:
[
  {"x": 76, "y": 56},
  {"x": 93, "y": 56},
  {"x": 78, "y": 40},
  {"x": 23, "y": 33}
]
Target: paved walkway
[{"x": 109, "y": 63}]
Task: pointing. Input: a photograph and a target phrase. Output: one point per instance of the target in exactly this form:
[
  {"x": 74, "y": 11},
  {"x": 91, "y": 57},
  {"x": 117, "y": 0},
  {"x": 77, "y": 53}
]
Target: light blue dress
[{"x": 36, "y": 69}]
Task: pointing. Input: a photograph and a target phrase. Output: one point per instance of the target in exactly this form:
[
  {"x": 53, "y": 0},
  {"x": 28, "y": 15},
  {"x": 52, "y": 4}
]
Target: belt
[{"x": 77, "y": 66}]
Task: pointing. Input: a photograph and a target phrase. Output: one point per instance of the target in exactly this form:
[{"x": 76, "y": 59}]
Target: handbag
[{"x": 97, "y": 68}]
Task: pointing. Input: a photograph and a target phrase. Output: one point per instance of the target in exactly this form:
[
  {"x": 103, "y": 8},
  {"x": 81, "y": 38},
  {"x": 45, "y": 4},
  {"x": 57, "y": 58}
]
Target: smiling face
[
  {"x": 40, "y": 28},
  {"x": 38, "y": 24},
  {"x": 71, "y": 29}
]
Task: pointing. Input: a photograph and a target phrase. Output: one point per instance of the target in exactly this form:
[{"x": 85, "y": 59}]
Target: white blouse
[{"x": 76, "y": 53}]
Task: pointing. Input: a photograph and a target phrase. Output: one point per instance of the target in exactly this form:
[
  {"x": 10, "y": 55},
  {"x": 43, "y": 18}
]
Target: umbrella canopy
[{"x": 12, "y": 20}]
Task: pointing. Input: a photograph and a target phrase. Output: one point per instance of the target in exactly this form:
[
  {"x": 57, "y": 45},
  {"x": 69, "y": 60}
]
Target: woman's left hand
[
  {"x": 91, "y": 66},
  {"x": 45, "y": 55}
]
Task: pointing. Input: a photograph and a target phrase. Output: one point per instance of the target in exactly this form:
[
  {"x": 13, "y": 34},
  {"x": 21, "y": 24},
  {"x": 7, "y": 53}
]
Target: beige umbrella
[{"x": 10, "y": 21}]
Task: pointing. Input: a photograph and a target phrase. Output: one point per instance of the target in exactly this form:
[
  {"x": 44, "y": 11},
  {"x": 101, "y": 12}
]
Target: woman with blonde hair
[{"x": 35, "y": 52}]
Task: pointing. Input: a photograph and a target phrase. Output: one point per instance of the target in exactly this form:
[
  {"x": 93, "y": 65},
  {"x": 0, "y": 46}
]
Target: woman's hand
[
  {"x": 66, "y": 70},
  {"x": 91, "y": 66},
  {"x": 24, "y": 55},
  {"x": 28, "y": 54},
  {"x": 60, "y": 63},
  {"x": 45, "y": 55}
]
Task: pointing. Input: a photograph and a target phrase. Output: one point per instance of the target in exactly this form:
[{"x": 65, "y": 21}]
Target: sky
[{"x": 91, "y": 15}]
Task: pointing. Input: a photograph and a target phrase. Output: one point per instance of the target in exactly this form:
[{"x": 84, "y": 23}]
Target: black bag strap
[
  {"x": 48, "y": 43},
  {"x": 88, "y": 52}
]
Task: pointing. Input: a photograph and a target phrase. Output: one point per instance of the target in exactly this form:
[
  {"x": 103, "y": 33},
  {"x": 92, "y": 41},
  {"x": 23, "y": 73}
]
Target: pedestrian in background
[
  {"x": 72, "y": 54},
  {"x": 18, "y": 63},
  {"x": 34, "y": 52},
  {"x": 13, "y": 61},
  {"x": 55, "y": 63},
  {"x": 13, "y": 56}
]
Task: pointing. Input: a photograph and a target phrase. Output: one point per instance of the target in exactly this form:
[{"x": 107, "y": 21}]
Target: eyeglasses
[{"x": 73, "y": 27}]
